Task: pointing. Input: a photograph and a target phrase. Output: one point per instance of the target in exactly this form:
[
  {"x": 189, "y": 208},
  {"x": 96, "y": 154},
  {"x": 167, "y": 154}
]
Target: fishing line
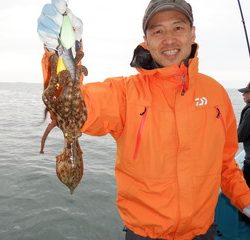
[{"x": 244, "y": 26}]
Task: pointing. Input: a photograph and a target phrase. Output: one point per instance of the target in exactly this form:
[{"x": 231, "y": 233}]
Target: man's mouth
[{"x": 170, "y": 52}]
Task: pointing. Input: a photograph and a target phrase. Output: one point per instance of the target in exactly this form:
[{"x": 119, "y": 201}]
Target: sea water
[{"x": 34, "y": 204}]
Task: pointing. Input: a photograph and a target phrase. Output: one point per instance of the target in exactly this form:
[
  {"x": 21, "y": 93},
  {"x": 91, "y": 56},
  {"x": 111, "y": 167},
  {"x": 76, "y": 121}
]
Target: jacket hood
[{"x": 143, "y": 59}]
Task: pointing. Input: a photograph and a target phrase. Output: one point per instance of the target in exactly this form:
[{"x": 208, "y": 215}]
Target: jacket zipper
[
  {"x": 219, "y": 116},
  {"x": 139, "y": 133},
  {"x": 183, "y": 85}
]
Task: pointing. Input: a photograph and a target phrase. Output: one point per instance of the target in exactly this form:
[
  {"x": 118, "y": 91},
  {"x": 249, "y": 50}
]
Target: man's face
[
  {"x": 246, "y": 97},
  {"x": 169, "y": 37}
]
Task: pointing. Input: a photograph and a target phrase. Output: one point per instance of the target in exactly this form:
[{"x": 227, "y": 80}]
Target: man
[
  {"x": 244, "y": 136},
  {"x": 175, "y": 132}
]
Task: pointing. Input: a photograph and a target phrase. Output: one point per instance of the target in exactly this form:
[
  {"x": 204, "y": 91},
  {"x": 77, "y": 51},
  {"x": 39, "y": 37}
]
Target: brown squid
[{"x": 64, "y": 101}]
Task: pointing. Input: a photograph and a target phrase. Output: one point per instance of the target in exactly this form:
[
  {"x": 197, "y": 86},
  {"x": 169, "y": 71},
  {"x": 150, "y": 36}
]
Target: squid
[{"x": 63, "y": 99}]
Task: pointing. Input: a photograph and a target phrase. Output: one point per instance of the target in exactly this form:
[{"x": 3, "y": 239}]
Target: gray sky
[{"x": 112, "y": 29}]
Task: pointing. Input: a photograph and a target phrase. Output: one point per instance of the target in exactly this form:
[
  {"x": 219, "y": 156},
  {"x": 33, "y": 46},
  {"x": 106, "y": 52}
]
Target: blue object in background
[{"x": 229, "y": 226}]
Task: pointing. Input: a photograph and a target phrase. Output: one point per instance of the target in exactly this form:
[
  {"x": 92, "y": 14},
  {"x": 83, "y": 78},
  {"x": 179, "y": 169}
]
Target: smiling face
[{"x": 169, "y": 37}]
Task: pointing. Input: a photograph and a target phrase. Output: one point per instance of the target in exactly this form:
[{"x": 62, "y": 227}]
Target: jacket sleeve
[
  {"x": 106, "y": 107},
  {"x": 233, "y": 183},
  {"x": 244, "y": 127},
  {"x": 46, "y": 67}
]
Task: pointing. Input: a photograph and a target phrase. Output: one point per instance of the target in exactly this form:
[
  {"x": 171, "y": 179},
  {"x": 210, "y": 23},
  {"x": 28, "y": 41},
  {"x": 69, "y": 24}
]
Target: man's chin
[{"x": 171, "y": 64}]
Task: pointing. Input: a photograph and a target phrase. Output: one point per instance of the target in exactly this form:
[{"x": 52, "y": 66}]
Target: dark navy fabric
[{"x": 210, "y": 235}]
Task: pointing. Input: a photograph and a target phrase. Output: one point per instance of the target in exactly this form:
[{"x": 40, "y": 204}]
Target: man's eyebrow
[
  {"x": 180, "y": 21},
  {"x": 154, "y": 26},
  {"x": 174, "y": 22}
]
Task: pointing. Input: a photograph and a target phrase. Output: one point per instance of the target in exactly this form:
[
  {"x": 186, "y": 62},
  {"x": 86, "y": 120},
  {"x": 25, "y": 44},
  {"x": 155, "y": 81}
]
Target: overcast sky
[{"x": 112, "y": 29}]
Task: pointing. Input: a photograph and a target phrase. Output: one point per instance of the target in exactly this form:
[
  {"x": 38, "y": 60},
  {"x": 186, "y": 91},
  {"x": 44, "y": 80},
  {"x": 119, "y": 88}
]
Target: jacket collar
[{"x": 144, "y": 63}]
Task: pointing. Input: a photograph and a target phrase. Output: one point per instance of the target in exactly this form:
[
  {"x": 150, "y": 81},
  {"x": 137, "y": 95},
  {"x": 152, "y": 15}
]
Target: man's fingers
[
  {"x": 51, "y": 11},
  {"x": 49, "y": 26}
]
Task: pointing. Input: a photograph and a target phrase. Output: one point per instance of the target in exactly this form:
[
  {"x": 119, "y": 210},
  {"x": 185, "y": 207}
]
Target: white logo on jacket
[{"x": 202, "y": 101}]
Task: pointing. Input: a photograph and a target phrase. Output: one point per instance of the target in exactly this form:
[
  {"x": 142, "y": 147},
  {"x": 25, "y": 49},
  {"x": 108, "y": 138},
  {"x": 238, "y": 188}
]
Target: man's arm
[
  {"x": 106, "y": 105},
  {"x": 244, "y": 127}
]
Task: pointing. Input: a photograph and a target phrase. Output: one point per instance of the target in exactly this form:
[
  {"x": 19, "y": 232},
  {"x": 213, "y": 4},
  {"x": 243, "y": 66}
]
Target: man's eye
[
  {"x": 179, "y": 28},
  {"x": 157, "y": 32}
]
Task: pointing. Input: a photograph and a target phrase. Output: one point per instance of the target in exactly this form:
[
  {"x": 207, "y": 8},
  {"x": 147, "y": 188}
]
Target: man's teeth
[{"x": 170, "y": 52}]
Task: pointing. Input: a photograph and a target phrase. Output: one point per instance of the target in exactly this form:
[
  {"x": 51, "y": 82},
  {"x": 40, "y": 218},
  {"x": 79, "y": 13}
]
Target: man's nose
[{"x": 169, "y": 37}]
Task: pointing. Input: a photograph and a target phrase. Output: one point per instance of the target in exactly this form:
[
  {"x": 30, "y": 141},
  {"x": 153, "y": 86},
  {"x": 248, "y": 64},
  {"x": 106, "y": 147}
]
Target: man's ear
[
  {"x": 145, "y": 43},
  {"x": 193, "y": 34}
]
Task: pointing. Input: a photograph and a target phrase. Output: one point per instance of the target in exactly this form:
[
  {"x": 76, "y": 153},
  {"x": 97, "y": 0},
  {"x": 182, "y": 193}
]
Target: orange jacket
[{"x": 174, "y": 151}]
